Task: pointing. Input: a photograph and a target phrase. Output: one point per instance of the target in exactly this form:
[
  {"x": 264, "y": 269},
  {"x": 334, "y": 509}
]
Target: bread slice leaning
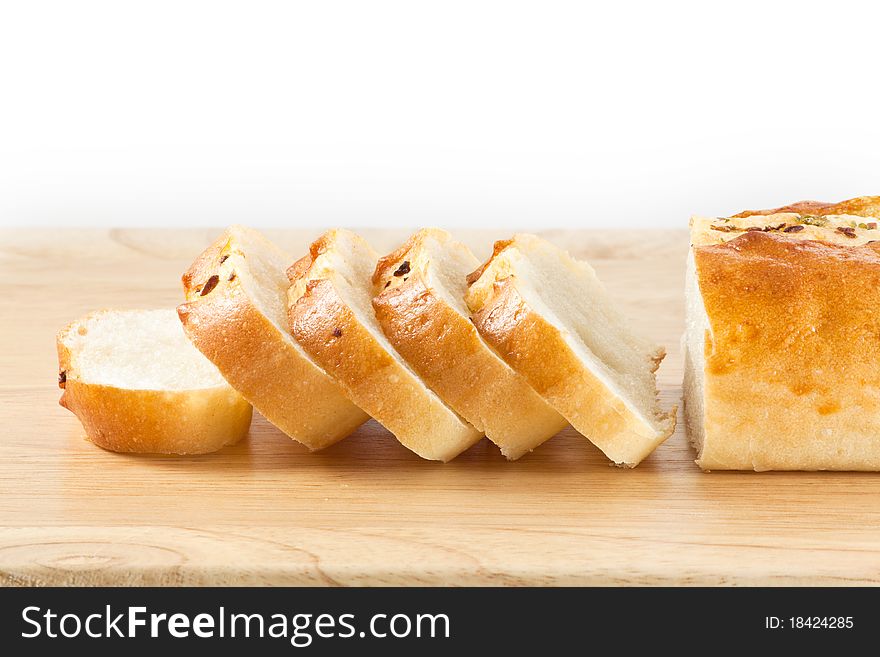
[
  {"x": 236, "y": 314},
  {"x": 331, "y": 316},
  {"x": 138, "y": 385},
  {"x": 420, "y": 305},
  {"x": 553, "y": 322}
]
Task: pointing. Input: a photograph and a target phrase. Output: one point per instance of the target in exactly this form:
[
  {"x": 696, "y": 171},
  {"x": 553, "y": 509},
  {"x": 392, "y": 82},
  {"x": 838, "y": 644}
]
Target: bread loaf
[{"x": 782, "y": 363}]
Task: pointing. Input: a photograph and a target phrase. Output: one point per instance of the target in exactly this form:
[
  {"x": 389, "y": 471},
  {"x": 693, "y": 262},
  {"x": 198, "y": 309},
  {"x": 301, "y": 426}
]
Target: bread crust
[
  {"x": 257, "y": 359},
  {"x": 196, "y": 421},
  {"x": 862, "y": 206},
  {"x": 792, "y": 373},
  {"x": 445, "y": 349},
  {"x": 334, "y": 337},
  {"x": 538, "y": 351},
  {"x": 158, "y": 422}
]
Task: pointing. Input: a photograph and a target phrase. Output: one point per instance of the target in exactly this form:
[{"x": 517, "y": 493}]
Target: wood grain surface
[{"x": 367, "y": 511}]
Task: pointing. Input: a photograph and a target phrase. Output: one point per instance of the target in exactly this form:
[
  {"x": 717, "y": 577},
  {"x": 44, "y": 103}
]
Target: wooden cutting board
[{"x": 367, "y": 511}]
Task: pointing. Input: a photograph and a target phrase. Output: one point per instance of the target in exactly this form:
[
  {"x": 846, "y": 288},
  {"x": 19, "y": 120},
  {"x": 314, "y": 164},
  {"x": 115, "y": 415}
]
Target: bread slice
[
  {"x": 782, "y": 360},
  {"x": 236, "y": 314},
  {"x": 420, "y": 306},
  {"x": 138, "y": 385},
  {"x": 553, "y": 322},
  {"x": 331, "y": 316}
]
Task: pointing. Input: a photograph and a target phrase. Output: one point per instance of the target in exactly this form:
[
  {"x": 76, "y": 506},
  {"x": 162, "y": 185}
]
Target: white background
[{"x": 500, "y": 114}]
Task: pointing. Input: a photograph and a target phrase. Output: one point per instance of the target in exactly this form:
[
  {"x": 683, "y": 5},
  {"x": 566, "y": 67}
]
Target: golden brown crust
[
  {"x": 298, "y": 269},
  {"x": 327, "y": 329},
  {"x": 446, "y": 351},
  {"x": 204, "y": 267},
  {"x": 497, "y": 249},
  {"x": 301, "y": 267},
  {"x": 862, "y": 206},
  {"x": 156, "y": 421},
  {"x": 815, "y": 208},
  {"x": 387, "y": 265},
  {"x": 261, "y": 362},
  {"x": 337, "y": 340},
  {"x": 792, "y": 374},
  {"x": 538, "y": 351}
]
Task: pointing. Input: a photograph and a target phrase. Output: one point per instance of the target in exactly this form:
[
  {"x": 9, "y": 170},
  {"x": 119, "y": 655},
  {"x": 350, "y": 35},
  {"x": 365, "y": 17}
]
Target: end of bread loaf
[
  {"x": 550, "y": 318},
  {"x": 236, "y": 315},
  {"x": 782, "y": 355},
  {"x": 419, "y": 303},
  {"x": 138, "y": 385},
  {"x": 331, "y": 316}
]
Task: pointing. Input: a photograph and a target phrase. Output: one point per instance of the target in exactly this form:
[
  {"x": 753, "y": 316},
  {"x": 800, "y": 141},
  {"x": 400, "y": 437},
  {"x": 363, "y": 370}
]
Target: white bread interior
[
  {"x": 139, "y": 350},
  {"x": 261, "y": 266}
]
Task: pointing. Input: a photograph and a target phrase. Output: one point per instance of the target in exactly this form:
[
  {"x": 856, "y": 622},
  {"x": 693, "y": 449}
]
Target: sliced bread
[
  {"x": 420, "y": 305},
  {"x": 138, "y": 385},
  {"x": 331, "y": 316},
  {"x": 236, "y": 314},
  {"x": 553, "y": 322}
]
